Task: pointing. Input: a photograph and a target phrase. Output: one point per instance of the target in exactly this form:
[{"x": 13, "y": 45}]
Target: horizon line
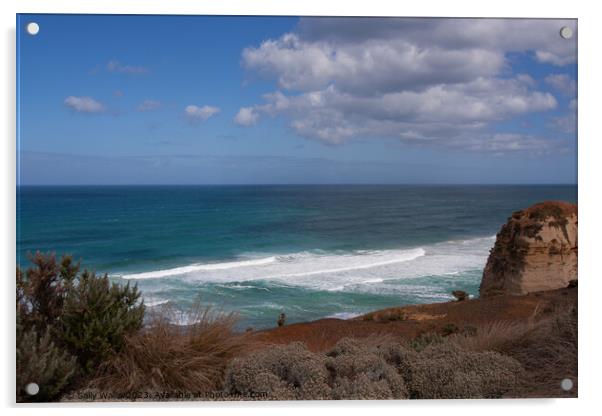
[{"x": 310, "y": 184}]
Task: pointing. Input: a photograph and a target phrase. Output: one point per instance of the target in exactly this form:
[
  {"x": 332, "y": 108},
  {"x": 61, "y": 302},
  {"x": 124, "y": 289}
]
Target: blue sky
[{"x": 245, "y": 100}]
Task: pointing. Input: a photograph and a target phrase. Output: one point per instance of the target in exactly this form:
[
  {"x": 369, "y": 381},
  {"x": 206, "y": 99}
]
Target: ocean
[{"x": 308, "y": 251}]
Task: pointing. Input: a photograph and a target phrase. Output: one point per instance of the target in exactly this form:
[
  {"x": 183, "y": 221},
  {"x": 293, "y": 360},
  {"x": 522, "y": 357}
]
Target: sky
[{"x": 267, "y": 100}]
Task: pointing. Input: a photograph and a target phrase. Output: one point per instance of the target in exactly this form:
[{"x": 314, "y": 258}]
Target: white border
[{"x": 590, "y": 71}]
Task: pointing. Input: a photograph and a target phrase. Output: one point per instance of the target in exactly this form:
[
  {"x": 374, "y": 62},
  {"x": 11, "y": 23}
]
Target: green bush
[
  {"x": 40, "y": 361},
  {"x": 42, "y": 289},
  {"x": 424, "y": 340},
  {"x": 79, "y": 314},
  {"x": 449, "y": 329},
  {"x": 96, "y": 318}
]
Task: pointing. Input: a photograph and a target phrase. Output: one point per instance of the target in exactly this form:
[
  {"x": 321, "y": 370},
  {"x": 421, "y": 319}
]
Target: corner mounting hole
[
  {"x": 566, "y": 384},
  {"x": 32, "y": 28},
  {"x": 566, "y": 32},
  {"x": 32, "y": 389}
]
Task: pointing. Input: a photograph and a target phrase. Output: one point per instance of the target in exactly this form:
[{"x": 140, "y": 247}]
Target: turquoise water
[{"x": 310, "y": 251}]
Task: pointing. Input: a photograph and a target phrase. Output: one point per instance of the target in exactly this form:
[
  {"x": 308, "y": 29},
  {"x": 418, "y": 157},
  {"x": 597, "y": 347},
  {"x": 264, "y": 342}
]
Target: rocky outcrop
[{"x": 535, "y": 250}]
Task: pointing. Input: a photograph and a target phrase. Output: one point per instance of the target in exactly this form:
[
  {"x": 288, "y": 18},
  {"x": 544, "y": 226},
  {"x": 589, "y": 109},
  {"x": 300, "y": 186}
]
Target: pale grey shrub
[
  {"x": 284, "y": 372},
  {"x": 355, "y": 369},
  {"x": 445, "y": 371},
  {"x": 359, "y": 372}
]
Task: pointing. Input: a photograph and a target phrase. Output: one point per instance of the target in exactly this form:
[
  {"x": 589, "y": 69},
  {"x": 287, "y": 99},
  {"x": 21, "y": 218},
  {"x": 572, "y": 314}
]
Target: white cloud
[
  {"x": 84, "y": 104},
  {"x": 149, "y": 105},
  {"x": 438, "y": 112},
  {"x": 568, "y": 122},
  {"x": 116, "y": 66},
  {"x": 197, "y": 114},
  {"x": 434, "y": 81},
  {"x": 562, "y": 83},
  {"x": 246, "y": 116}
]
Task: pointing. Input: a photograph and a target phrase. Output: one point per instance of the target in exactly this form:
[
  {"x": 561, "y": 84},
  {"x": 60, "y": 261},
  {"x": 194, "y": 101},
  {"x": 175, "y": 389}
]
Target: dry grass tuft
[
  {"x": 165, "y": 357},
  {"x": 549, "y": 354},
  {"x": 546, "y": 348}
]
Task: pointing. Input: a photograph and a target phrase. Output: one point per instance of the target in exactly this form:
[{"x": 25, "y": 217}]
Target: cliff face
[{"x": 535, "y": 250}]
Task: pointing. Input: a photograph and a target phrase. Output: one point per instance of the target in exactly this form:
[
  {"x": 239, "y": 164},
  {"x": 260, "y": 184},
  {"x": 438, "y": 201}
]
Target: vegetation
[
  {"x": 357, "y": 369},
  {"x": 165, "y": 357},
  {"x": 460, "y": 295},
  {"x": 71, "y": 321},
  {"x": 79, "y": 332},
  {"x": 449, "y": 329},
  {"x": 40, "y": 361},
  {"x": 388, "y": 315}
]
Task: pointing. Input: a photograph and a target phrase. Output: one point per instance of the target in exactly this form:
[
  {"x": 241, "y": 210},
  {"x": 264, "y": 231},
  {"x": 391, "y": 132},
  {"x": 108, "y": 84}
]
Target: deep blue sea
[{"x": 310, "y": 251}]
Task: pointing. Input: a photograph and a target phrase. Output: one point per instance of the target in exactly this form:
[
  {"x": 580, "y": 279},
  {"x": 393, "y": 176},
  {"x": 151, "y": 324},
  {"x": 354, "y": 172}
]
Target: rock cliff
[{"x": 535, "y": 250}]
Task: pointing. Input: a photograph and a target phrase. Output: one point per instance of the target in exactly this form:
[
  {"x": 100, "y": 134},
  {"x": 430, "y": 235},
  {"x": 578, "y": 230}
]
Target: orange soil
[{"x": 410, "y": 321}]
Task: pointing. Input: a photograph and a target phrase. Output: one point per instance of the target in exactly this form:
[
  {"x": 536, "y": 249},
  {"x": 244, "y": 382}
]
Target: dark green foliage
[
  {"x": 281, "y": 319},
  {"x": 40, "y": 361},
  {"x": 76, "y": 314},
  {"x": 424, "y": 340},
  {"x": 389, "y": 315},
  {"x": 97, "y": 315},
  {"x": 460, "y": 295},
  {"x": 41, "y": 290}
]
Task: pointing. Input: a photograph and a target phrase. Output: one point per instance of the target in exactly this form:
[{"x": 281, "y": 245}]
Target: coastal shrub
[
  {"x": 81, "y": 314},
  {"x": 460, "y": 295},
  {"x": 41, "y": 290},
  {"x": 96, "y": 318},
  {"x": 358, "y": 371},
  {"x": 168, "y": 357},
  {"x": 424, "y": 340},
  {"x": 284, "y": 372},
  {"x": 446, "y": 371},
  {"x": 389, "y": 315},
  {"x": 40, "y": 361},
  {"x": 449, "y": 329}
]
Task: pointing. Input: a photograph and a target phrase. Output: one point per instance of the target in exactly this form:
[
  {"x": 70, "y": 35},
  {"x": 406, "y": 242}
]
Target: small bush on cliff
[
  {"x": 42, "y": 289},
  {"x": 460, "y": 295},
  {"x": 449, "y": 329},
  {"x": 97, "y": 316},
  {"x": 424, "y": 340},
  {"x": 40, "y": 361}
]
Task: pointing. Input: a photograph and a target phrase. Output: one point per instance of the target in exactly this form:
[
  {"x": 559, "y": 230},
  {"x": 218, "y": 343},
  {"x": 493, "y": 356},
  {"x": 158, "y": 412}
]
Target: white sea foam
[
  {"x": 344, "y": 315},
  {"x": 337, "y": 271},
  {"x": 199, "y": 267},
  {"x": 151, "y": 302}
]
